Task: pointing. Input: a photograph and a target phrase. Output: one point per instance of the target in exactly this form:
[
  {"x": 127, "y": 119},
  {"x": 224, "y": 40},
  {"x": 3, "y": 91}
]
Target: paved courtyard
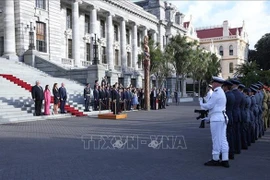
[{"x": 90, "y": 148}]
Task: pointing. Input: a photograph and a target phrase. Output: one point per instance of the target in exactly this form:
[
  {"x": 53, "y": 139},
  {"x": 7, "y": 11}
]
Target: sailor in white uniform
[{"x": 218, "y": 123}]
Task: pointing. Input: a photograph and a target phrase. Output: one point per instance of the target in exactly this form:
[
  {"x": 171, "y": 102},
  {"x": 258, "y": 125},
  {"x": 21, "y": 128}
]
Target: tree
[
  {"x": 179, "y": 51},
  {"x": 263, "y": 52},
  {"x": 248, "y": 72},
  {"x": 198, "y": 67}
]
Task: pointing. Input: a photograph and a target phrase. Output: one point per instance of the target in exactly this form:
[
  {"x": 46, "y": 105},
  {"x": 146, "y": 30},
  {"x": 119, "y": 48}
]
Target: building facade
[
  {"x": 230, "y": 43},
  {"x": 72, "y": 33}
]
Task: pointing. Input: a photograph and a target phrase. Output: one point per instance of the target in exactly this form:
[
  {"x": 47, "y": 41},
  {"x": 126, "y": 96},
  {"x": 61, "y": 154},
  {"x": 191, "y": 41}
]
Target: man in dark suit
[
  {"x": 96, "y": 98},
  {"x": 37, "y": 96},
  {"x": 115, "y": 99},
  {"x": 63, "y": 98}
]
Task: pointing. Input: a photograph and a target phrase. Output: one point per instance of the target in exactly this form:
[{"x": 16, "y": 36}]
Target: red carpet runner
[{"x": 28, "y": 87}]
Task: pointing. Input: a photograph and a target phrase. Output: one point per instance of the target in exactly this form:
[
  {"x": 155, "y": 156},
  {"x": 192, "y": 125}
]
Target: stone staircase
[{"x": 16, "y": 104}]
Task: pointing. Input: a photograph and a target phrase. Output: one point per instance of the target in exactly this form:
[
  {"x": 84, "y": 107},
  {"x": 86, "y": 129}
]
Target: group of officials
[
  {"x": 118, "y": 99},
  {"x": 238, "y": 116},
  {"x": 59, "y": 96}
]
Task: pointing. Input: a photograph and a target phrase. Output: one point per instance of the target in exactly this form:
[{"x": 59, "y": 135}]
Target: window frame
[
  {"x": 221, "y": 50},
  {"x": 88, "y": 52},
  {"x": 86, "y": 24},
  {"x": 41, "y": 38},
  {"x": 68, "y": 18},
  {"x": 231, "y": 67},
  {"x": 69, "y": 53},
  {"x": 231, "y": 50},
  {"x": 41, "y": 4},
  {"x": 102, "y": 29}
]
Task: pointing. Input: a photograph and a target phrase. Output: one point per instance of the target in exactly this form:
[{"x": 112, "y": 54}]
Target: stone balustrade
[
  {"x": 85, "y": 63},
  {"x": 66, "y": 61}
]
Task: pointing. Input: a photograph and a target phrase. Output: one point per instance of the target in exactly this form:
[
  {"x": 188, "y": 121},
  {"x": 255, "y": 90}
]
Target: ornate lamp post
[
  {"x": 146, "y": 74},
  {"x": 95, "y": 46},
  {"x": 31, "y": 37}
]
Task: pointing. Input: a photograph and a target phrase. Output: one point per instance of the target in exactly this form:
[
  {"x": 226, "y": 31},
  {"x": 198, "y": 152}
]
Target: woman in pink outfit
[{"x": 47, "y": 98}]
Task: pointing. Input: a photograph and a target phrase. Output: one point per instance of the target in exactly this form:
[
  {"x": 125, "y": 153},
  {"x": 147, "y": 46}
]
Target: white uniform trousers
[{"x": 219, "y": 140}]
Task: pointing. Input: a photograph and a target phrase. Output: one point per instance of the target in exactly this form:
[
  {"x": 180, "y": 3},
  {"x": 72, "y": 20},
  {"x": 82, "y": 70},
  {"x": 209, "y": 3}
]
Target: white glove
[
  {"x": 201, "y": 100},
  {"x": 206, "y": 119}
]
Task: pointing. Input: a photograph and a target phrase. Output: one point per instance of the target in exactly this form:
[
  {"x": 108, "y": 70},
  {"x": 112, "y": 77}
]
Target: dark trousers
[
  {"x": 95, "y": 105},
  {"x": 252, "y": 131},
  {"x": 62, "y": 106},
  {"x": 153, "y": 105},
  {"x": 230, "y": 140},
  {"x": 244, "y": 139},
  {"x": 115, "y": 105},
  {"x": 38, "y": 105},
  {"x": 237, "y": 137},
  {"x": 142, "y": 104},
  {"x": 87, "y": 103}
]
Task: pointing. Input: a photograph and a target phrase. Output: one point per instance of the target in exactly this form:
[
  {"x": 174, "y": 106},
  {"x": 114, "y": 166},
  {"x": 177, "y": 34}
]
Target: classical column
[
  {"x": 93, "y": 29},
  {"x": 154, "y": 36},
  {"x": 123, "y": 43},
  {"x": 9, "y": 30},
  {"x": 144, "y": 32},
  {"x": 109, "y": 37},
  {"x": 75, "y": 33},
  {"x": 134, "y": 47}
]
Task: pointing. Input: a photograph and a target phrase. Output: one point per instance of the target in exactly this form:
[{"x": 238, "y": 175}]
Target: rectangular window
[
  {"x": 41, "y": 4},
  {"x": 41, "y": 37},
  {"x": 70, "y": 48},
  {"x": 231, "y": 68},
  {"x": 115, "y": 33},
  {"x": 1, "y": 45},
  {"x": 139, "y": 62},
  {"x": 164, "y": 41},
  {"x": 69, "y": 19},
  {"x": 116, "y": 57},
  {"x": 138, "y": 39},
  {"x": 128, "y": 59},
  {"x": 102, "y": 28},
  {"x": 88, "y": 51},
  {"x": 103, "y": 55},
  {"x": 127, "y": 36},
  {"x": 87, "y": 24}
]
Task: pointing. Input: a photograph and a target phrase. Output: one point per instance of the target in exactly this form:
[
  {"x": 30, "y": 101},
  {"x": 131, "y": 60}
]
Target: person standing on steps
[
  {"x": 87, "y": 97},
  {"x": 63, "y": 98},
  {"x": 38, "y": 97},
  {"x": 47, "y": 99},
  {"x": 56, "y": 98}
]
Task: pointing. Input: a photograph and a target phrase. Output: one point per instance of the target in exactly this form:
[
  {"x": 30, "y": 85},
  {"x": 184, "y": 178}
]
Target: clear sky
[{"x": 256, "y": 15}]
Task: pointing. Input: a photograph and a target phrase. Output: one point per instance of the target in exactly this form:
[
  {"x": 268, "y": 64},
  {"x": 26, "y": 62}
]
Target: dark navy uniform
[
  {"x": 230, "y": 132},
  {"x": 236, "y": 120},
  {"x": 248, "y": 118},
  {"x": 96, "y": 98},
  {"x": 243, "y": 122},
  {"x": 253, "y": 115}
]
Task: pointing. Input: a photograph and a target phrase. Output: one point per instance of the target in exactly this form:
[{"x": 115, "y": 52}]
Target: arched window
[
  {"x": 231, "y": 67},
  {"x": 231, "y": 50},
  {"x": 221, "y": 50}
]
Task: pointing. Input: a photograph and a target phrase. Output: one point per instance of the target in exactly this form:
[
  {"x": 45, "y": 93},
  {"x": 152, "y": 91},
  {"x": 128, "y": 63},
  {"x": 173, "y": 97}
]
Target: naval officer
[{"x": 218, "y": 124}]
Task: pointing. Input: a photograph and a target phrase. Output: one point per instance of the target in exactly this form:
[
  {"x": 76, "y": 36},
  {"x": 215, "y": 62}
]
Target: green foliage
[{"x": 262, "y": 55}]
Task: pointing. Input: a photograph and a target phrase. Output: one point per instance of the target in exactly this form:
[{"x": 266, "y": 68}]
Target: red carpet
[{"x": 28, "y": 87}]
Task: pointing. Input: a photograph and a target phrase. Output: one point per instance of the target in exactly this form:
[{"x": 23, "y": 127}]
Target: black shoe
[
  {"x": 212, "y": 163},
  {"x": 231, "y": 156},
  {"x": 225, "y": 164},
  {"x": 246, "y": 148},
  {"x": 237, "y": 152}
]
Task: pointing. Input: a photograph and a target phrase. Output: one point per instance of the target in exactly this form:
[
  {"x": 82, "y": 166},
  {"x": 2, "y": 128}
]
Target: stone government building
[{"x": 63, "y": 39}]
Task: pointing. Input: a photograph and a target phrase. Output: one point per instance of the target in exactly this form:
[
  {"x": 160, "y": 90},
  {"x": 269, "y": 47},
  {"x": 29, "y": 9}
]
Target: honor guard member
[
  {"x": 257, "y": 117},
  {"x": 253, "y": 114},
  {"x": 218, "y": 124},
  {"x": 243, "y": 121},
  {"x": 96, "y": 97},
  {"x": 260, "y": 84},
  {"x": 227, "y": 86},
  {"x": 246, "y": 92},
  {"x": 236, "y": 116},
  {"x": 265, "y": 107},
  {"x": 87, "y": 96}
]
